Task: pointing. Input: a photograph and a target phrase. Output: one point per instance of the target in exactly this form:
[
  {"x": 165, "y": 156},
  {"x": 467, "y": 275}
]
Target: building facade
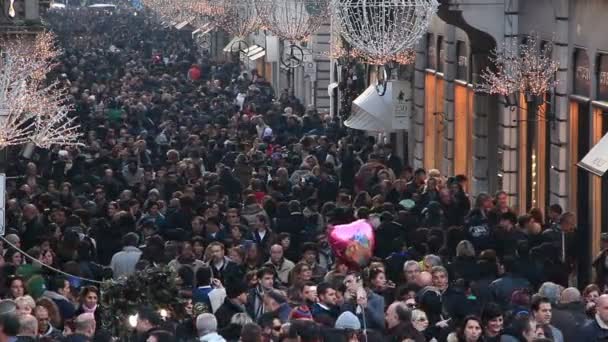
[
  {"x": 531, "y": 155},
  {"x": 309, "y": 80}
]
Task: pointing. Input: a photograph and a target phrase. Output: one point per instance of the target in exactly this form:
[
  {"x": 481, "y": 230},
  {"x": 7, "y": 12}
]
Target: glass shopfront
[
  {"x": 433, "y": 121},
  {"x": 581, "y": 132},
  {"x": 433, "y": 105},
  {"x": 463, "y": 114}
]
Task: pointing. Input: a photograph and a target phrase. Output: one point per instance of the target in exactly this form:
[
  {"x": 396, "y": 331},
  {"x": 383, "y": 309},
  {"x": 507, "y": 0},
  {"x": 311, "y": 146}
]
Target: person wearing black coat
[
  {"x": 236, "y": 298},
  {"x": 569, "y": 315}
]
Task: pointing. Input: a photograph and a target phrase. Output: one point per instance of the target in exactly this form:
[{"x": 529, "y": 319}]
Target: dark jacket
[
  {"x": 225, "y": 312},
  {"x": 592, "y": 331},
  {"x": 77, "y": 338},
  {"x": 463, "y": 268},
  {"x": 66, "y": 308},
  {"x": 26, "y": 339},
  {"x": 570, "y": 319},
  {"x": 503, "y": 288},
  {"x": 255, "y": 303},
  {"x": 374, "y": 312},
  {"x": 324, "y": 316},
  {"x": 403, "y": 331},
  {"x": 229, "y": 272},
  {"x": 601, "y": 272}
]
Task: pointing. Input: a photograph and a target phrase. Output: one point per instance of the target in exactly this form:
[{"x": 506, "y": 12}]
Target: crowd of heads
[{"x": 196, "y": 163}]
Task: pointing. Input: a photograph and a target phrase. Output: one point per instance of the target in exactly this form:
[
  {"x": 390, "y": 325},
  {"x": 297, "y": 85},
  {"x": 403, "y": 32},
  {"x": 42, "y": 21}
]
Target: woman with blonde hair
[{"x": 25, "y": 305}]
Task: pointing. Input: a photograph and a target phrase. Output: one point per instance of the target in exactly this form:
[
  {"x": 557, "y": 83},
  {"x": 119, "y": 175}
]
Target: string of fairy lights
[
  {"x": 521, "y": 67},
  {"x": 32, "y": 111}
]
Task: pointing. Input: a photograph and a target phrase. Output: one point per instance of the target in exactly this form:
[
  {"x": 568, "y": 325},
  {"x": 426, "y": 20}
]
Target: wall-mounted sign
[
  {"x": 582, "y": 73},
  {"x": 462, "y": 69},
  {"x": 441, "y": 56},
  {"x": 596, "y": 161},
  {"x": 431, "y": 52},
  {"x": 602, "y": 77}
]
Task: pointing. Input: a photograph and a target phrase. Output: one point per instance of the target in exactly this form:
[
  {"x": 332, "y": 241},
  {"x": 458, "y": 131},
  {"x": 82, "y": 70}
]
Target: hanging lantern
[{"x": 381, "y": 29}]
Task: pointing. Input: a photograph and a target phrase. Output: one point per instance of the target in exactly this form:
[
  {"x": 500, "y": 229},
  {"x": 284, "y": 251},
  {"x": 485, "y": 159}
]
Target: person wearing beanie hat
[
  {"x": 236, "y": 298},
  {"x": 348, "y": 320}
]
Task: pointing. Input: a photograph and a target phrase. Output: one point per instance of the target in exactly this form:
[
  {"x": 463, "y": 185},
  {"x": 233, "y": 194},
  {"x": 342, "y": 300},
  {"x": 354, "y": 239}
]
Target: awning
[
  {"x": 331, "y": 87},
  {"x": 203, "y": 30},
  {"x": 255, "y": 52},
  {"x": 372, "y": 112},
  {"x": 596, "y": 161},
  {"x": 182, "y": 25}
]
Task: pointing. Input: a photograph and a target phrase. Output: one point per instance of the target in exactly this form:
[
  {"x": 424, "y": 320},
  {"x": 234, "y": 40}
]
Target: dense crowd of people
[{"x": 197, "y": 164}]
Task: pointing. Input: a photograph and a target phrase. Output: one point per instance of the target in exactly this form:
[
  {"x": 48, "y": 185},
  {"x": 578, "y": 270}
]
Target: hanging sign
[{"x": 596, "y": 161}]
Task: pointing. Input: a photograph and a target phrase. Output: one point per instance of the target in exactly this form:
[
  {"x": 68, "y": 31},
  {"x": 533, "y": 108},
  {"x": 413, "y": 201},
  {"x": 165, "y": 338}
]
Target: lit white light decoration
[
  {"x": 293, "y": 20},
  {"x": 381, "y": 29},
  {"x": 338, "y": 52},
  {"x": 238, "y": 17},
  {"x": 197, "y": 13},
  {"x": 525, "y": 67},
  {"x": 32, "y": 111}
]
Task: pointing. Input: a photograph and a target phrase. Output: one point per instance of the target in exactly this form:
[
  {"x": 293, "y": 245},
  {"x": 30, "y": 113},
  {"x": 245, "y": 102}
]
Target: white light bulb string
[{"x": 47, "y": 266}]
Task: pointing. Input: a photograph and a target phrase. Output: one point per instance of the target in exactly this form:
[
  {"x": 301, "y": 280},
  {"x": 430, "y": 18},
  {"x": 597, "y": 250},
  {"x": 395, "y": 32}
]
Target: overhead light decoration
[
  {"x": 32, "y": 111},
  {"x": 521, "y": 68},
  {"x": 237, "y": 17},
  {"x": 383, "y": 31},
  {"x": 293, "y": 20}
]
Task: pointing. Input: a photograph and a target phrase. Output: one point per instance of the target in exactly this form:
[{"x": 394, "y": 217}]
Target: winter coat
[
  {"x": 250, "y": 213},
  {"x": 570, "y": 319},
  {"x": 226, "y": 311}
]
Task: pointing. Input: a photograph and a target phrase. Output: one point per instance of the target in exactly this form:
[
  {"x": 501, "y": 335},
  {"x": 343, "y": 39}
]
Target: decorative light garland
[
  {"x": 30, "y": 110},
  {"x": 338, "y": 52},
  {"x": 525, "y": 67},
  {"x": 382, "y": 29},
  {"x": 293, "y": 20},
  {"x": 240, "y": 18}
]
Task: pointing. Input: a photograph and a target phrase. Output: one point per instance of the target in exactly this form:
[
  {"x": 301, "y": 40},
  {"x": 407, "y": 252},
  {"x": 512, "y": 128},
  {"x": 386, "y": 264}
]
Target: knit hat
[
  {"x": 348, "y": 320},
  {"x": 301, "y": 312}
]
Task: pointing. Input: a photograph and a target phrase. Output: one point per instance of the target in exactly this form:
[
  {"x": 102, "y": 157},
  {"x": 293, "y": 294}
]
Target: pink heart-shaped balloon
[{"x": 353, "y": 242}]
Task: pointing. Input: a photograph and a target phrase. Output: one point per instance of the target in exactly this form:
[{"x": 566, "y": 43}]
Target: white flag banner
[{"x": 596, "y": 161}]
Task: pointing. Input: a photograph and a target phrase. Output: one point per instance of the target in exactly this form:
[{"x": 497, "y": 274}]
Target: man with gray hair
[
  {"x": 569, "y": 314},
  {"x": 206, "y": 326},
  {"x": 551, "y": 291},
  {"x": 411, "y": 270},
  {"x": 28, "y": 328},
  {"x": 84, "y": 328}
]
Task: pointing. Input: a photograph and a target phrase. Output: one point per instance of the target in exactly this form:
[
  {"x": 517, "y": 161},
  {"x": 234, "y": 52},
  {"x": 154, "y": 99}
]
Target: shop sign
[{"x": 582, "y": 73}]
